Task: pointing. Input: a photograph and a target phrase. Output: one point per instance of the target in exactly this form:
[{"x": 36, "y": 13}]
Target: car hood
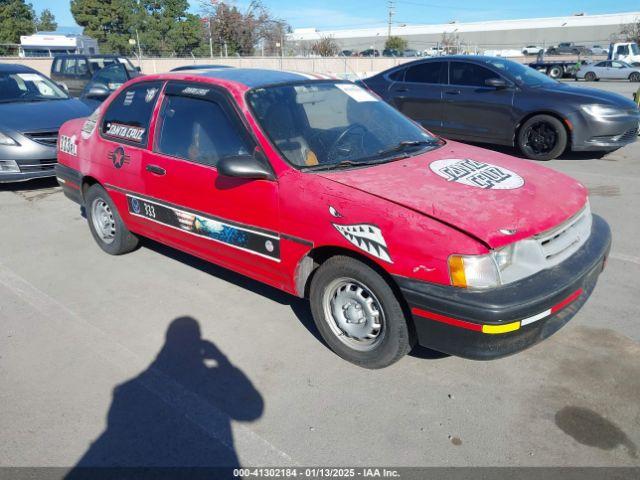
[
  {"x": 45, "y": 115},
  {"x": 590, "y": 95},
  {"x": 493, "y": 197}
]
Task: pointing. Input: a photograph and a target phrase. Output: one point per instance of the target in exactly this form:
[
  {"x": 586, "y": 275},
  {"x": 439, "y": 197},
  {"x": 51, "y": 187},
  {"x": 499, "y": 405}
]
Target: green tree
[
  {"x": 166, "y": 28},
  {"x": 16, "y": 18},
  {"x": 111, "y": 22},
  {"x": 395, "y": 43},
  {"x": 46, "y": 22}
]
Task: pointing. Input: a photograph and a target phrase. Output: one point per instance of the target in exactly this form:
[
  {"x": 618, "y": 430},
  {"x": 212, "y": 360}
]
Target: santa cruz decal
[
  {"x": 476, "y": 174},
  {"x": 366, "y": 237},
  {"x": 125, "y": 132},
  {"x": 262, "y": 243}
]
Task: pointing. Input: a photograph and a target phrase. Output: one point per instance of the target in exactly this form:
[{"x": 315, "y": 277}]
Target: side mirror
[
  {"x": 98, "y": 92},
  {"x": 64, "y": 87},
  {"x": 497, "y": 83},
  {"x": 139, "y": 69},
  {"x": 244, "y": 166}
]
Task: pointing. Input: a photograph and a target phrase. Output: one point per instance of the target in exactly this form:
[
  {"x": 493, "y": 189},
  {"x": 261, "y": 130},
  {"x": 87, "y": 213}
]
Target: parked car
[
  {"x": 434, "y": 51},
  {"x": 370, "y": 53},
  {"x": 391, "y": 52},
  {"x": 609, "y": 70},
  {"x": 495, "y": 100},
  {"x": 568, "y": 48},
  {"x": 599, "y": 50},
  {"x": 32, "y": 108},
  {"x": 105, "y": 82},
  {"x": 346, "y": 53},
  {"x": 184, "y": 68},
  {"x": 75, "y": 71},
  {"x": 320, "y": 189},
  {"x": 532, "y": 50},
  {"x": 410, "y": 52}
]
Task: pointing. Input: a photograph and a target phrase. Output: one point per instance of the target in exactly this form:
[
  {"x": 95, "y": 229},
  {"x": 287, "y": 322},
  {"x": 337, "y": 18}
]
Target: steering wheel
[{"x": 337, "y": 149}]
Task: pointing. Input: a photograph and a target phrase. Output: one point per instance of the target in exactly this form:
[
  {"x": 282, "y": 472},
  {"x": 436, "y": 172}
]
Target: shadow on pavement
[
  {"x": 176, "y": 413},
  {"x": 35, "y": 184}
]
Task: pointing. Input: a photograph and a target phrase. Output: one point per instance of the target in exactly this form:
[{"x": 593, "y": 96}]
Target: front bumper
[
  {"x": 70, "y": 180},
  {"x": 596, "y": 134},
  {"x": 29, "y": 170},
  {"x": 505, "y": 320}
]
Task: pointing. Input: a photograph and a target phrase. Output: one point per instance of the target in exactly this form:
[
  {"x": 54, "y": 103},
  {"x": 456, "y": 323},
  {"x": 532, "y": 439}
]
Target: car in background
[
  {"x": 346, "y": 53},
  {"x": 410, "y": 52},
  {"x": 370, "y": 52},
  {"x": 320, "y": 189},
  {"x": 532, "y": 50},
  {"x": 609, "y": 70},
  {"x": 105, "y": 82},
  {"x": 75, "y": 71},
  {"x": 434, "y": 51},
  {"x": 568, "y": 48},
  {"x": 32, "y": 109},
  {"x": 184, "y": 68},
  {"x": 391, "y": 52},
  {"x": 499, "y": 101},
  {"x": 599, "y": 50}
]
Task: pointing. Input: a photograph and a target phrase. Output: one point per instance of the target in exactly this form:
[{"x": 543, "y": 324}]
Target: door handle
[
  {"x": 156, "y": 169},
  {"x": 452, "y": 92},
  {"x": 401, "y": 90}
]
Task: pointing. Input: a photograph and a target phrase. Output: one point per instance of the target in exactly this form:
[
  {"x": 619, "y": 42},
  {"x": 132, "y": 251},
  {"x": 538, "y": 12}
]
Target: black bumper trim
[
  {"x": 70, "y": 180},
  {"x": 509, "y": 303}
]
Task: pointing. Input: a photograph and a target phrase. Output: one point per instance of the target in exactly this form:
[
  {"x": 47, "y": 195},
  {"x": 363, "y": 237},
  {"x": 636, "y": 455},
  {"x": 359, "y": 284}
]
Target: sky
[{"x": 329, "y": 14}]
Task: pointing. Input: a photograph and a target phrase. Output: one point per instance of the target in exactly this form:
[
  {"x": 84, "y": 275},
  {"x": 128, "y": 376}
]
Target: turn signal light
[{"x": 456, "y": 270}]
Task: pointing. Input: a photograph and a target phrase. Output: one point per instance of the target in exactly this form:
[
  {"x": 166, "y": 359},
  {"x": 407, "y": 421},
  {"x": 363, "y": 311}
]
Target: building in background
[
  {"x": 478, "y": 37},
  {"x": 48, "y": 44}
]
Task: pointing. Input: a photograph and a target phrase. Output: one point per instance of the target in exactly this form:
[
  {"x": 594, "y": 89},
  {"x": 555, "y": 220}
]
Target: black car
[
  {"x": 106, "y": 81},
  {"x": 32, "y": 109},
  {"x": 75, "y": 71},
  {"x": 498, "y": 101}
]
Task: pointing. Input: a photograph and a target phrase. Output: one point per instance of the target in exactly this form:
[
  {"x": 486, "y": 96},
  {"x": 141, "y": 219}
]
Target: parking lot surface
[{"x": 157, "y": 358}]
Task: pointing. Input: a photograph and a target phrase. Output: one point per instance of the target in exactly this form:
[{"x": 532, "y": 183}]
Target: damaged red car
[{"x": 317, "y": 187}]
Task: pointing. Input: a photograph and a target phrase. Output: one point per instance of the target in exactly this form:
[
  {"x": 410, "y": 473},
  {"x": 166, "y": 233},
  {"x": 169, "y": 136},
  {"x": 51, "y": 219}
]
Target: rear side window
[
  {"x": 199, "y": 130},
  {"x": 470, "y": 74},
  {"x": 428, "y": 72},
  {"x": 82, "y": 68},
  {"x": 397, "y": 76},
  {"x": 57, "y": 63},
  {"x": 128, "y": 116}
]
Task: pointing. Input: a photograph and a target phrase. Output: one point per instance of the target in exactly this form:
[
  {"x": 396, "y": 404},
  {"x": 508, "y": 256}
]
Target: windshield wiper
[
  {"x": 339, "y": 165},
  {"x": 406, "y": 145}
]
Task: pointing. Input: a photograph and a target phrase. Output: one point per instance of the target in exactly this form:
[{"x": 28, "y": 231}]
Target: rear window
[{"x": 128, "y": 116}]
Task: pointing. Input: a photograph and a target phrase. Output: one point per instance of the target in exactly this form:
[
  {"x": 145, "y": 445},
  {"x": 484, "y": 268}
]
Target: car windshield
[
  {"x": 329, "y": 125},
  {"x": 635, "y": 49},
  {"x": 522, "y": 74},
  {"x": 28, "y": 87}
]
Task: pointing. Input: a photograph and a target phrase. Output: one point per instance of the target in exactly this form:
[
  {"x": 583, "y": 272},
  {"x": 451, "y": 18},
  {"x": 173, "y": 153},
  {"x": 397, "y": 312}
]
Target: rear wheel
[
  {"x": 590, "y": 77},
  {"x": 542, "y": 137},
  {"x": 634, "y": 77},
  {"x": 105, "y": 223},
  {"x": 358, "y": 314}
]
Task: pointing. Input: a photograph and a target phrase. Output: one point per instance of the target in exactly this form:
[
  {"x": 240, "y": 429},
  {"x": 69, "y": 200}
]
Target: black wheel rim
[{"x": 541, "y": 138}]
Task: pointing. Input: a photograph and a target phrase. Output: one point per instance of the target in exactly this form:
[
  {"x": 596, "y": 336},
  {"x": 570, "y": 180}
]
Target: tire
[
  {"x": 555, "y": 72},
  {"x": 590, "y": 77},
  {"x": 105, "y": 223},
  {"x": 552, "y": 52},
  {"x": 634, "y": 77},
  {"x": 542, "y": 137},
  {"x": 334, "y": 288}
]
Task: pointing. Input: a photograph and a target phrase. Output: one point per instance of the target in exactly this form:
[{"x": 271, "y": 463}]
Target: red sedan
[{"x": 319, "y": 188}]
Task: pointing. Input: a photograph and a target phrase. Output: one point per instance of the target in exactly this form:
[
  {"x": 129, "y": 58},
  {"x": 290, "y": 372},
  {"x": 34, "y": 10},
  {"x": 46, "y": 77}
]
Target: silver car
[
  {"x": 32, "y": 109},
  {"x": 609, "y": 70}
]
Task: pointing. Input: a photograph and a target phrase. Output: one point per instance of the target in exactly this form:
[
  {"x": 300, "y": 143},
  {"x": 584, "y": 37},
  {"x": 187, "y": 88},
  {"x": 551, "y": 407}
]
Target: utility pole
[{"x": 392, "y": 12}]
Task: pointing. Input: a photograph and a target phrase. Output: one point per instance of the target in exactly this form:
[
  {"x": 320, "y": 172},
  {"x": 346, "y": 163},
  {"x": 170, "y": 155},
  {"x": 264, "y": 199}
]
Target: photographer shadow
[{"x": 178, "y": 412}]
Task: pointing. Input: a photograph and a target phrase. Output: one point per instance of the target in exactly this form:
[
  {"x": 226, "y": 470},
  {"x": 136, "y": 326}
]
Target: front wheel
[
  {"x": 634, "y": 77},
  {"x": 542, "y": 137},
  {"x": 358, "y": 314},
  {"x": 590, "y": 77},
  {"x": 107, "y": 228}
]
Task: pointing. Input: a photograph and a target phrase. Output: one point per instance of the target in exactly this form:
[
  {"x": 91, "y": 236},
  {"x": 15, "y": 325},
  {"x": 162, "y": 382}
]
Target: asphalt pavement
[{"x": 157, "y": 358}]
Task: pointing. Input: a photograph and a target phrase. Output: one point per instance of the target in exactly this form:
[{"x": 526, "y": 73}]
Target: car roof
[
  {"x": 95, "y": 55},
  {"x": 15, "y": 68},
  {"x": 248, "y": 77}
]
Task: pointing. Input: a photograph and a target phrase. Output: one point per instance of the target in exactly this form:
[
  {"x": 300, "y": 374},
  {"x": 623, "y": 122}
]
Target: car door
[
  {"x": 231, "y": 221},
  {"x": 417, "y": 92},
  {"x": 120, "y": 155},
  {"x": 473, "y": 110},
  {"x": 619, "y": 71}
]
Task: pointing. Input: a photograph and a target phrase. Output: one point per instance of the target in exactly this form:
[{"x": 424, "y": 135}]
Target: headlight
[
  {"x": 9, "y": 166},
  {"x": 7, "y": 140},
  {"x": 602, "y": 111},
  {"x": 479, "y": 271}
]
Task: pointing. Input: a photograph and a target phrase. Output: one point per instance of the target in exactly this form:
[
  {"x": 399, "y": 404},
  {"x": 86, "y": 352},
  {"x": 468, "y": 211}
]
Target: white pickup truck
[{"x": 626, "y": 51}]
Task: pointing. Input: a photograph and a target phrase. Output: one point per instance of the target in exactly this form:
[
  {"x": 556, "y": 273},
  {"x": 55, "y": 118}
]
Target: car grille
[
  {"x": 627, "y": 136},
  {"x": 38, "y": 165},
  {"x": 563, "y": 241},
  {"x": 49, "y": 138}
]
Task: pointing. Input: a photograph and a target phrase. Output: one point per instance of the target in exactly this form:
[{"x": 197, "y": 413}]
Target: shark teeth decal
[{"x": 366, "y": 237}]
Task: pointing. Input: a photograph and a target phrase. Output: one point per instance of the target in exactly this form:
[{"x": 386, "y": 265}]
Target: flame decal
[{"x": 367, "y": 238}]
